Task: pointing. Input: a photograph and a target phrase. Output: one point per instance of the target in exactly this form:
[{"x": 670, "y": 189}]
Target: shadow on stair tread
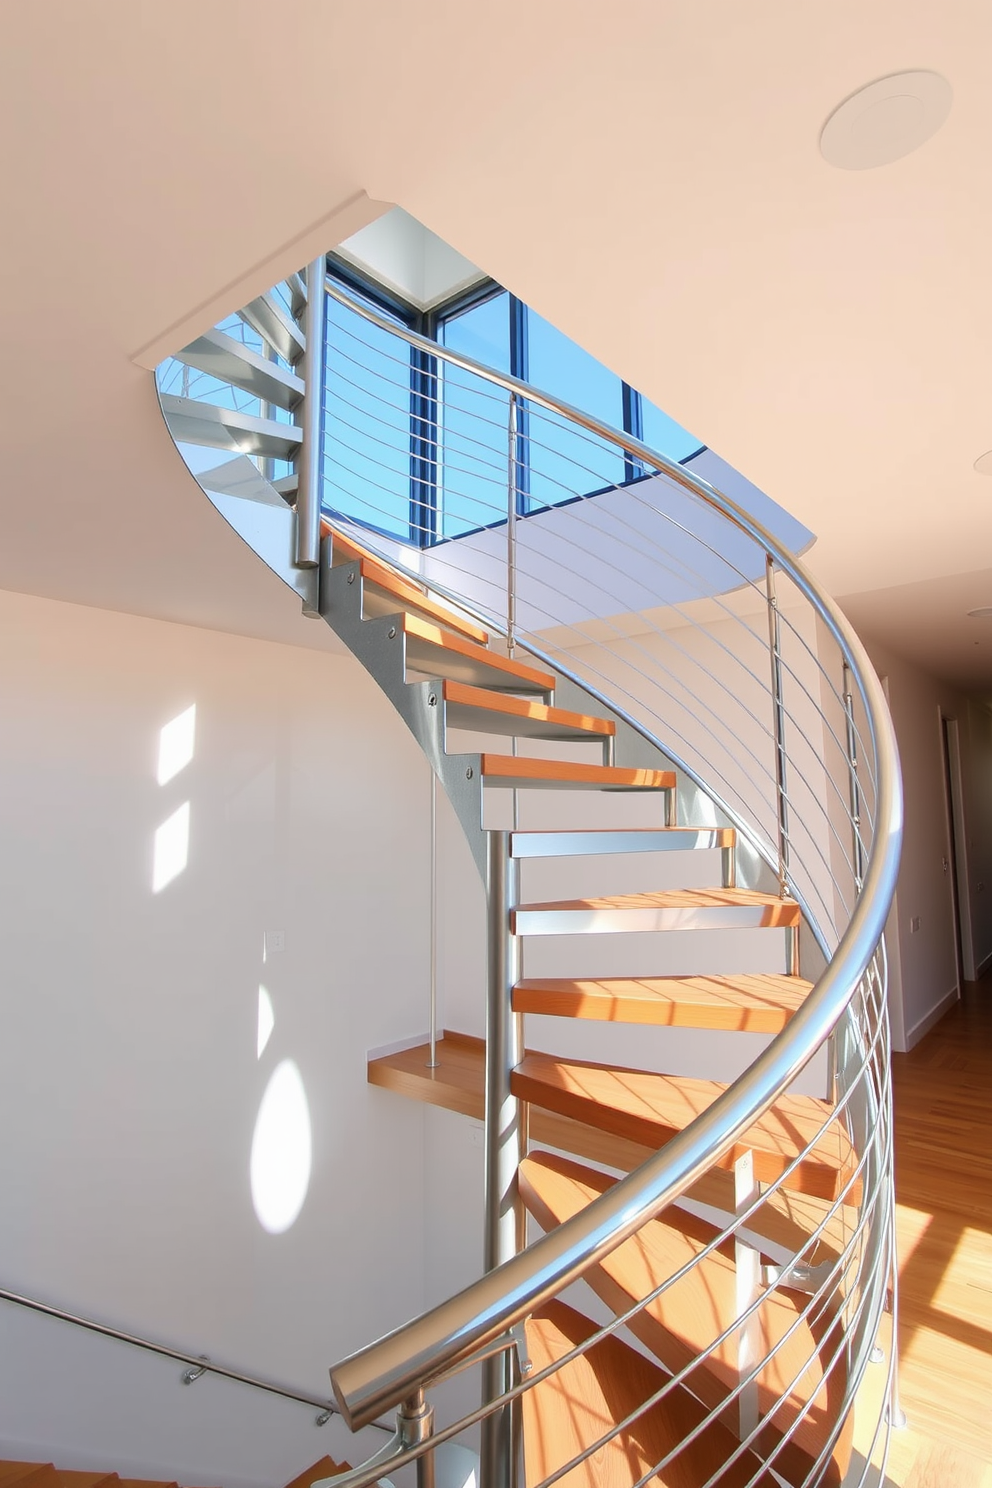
[
  {"x": 651, "y": 1108},
  {"x": 800, "y": 1389},
  {"x": 456, "y": 1083},
  {"x": 586, "y": 1397}
]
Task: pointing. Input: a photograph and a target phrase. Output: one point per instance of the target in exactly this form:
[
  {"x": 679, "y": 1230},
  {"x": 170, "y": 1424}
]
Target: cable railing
[{"x": 662, "y": 600}]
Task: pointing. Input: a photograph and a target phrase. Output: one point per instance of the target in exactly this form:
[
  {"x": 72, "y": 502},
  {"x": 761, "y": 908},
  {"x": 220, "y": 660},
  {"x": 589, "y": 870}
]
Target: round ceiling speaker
[
  {"x": 886, "y": 120},
  {"x": 984, "y": 463}
]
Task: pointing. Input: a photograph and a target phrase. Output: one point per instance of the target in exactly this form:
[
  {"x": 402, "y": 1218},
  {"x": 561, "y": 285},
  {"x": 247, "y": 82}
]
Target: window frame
[{"x": 422, "y": 525}]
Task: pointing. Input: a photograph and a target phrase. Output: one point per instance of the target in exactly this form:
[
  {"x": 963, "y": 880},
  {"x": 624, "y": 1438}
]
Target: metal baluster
[
  {"x": 778, "y": 713},
  {"x": 308, "y": 490},
  {"x": 855, "y": 784},
  {"x": 432, "y": 1061},
  {"x": 511, "y": 562},
  {"x": 267, "y": 410},
  {"x": 414, "y": 1424},
  {"x": 747, "y": 1272},
  {"x": 506, "y": 1143}
]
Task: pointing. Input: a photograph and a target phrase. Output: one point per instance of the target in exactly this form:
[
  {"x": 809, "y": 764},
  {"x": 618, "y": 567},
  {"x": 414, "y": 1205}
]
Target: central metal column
[{"x": 506, "y": 1145}]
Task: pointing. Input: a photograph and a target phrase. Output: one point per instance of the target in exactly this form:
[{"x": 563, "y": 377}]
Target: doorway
[{"x": 955, "y": 868}]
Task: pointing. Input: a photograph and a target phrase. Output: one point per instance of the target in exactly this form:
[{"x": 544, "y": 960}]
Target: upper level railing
[{"x": 686, "y": 616}]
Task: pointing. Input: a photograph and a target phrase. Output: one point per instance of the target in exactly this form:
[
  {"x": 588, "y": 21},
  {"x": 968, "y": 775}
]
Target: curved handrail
[{"x": 388, "y": 1371}]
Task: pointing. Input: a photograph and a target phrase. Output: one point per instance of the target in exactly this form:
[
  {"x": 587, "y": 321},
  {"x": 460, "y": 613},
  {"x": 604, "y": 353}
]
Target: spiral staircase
[{"x": 708, "y": 1260}]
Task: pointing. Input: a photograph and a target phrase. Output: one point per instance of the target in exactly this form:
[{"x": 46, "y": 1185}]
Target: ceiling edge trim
[{"x": 348, "y": 217}]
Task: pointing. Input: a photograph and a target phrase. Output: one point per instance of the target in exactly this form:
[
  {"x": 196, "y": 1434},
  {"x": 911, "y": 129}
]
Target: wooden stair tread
[
  {"x": 695, "y": 1310},
  {"x": 74, "y": 1478},
  {"x": 146, "y": 1483},
  {"x": 785, "y": 1219},
  {"x": 651, "y": 1108},
  {"x": 429, "y": 648},
  {"x": 778, "y": 911},
  {"x": 585, "y": 1398},
  {"x": 395, "y": 586},
  {"x": 324, "y": 1467},
  {"x": 513, "y": 769},
  {"x": 522, "y": 716},
  {"x": 753, "y": 1003}
]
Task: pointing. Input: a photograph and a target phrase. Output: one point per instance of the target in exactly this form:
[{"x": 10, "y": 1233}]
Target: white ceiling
[{"x": 646, "y": 175}]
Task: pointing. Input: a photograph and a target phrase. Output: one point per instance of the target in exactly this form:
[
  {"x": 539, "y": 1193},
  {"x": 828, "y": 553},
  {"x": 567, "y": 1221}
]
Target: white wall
[
  {"x": 129, "y": 1076},
  {"x": 922, "y": 971}
]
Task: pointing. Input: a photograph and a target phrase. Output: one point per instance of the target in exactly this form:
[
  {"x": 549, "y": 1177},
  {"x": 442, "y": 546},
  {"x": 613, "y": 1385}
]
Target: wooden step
[
  {"x": 584, "y": 844},
  {"x": 650, "y": 1109},
  {"x": 77, "y": 1479},
  {"x": 146, "y": 1483},
  {"x": 692, "y": 1313},
  {"x": 27, "y": 1474},
  {"x": 490, "y": 712},
  {"x": 519, "y": 772},
  {"x": 384, "y": 592},
  {"x": 752, "y": 1004},
  {"x": 585, "y": 1398},
  {"x": 457, "y": 1083},
  {"x": 324, "y": 1467},
  {"x": 665, "y": 910},
  {"x": 438, "y": 653}
]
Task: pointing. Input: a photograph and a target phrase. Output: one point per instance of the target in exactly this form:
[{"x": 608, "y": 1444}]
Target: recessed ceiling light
[
  {"x": 984, "y": 612},
  {"x": 984, "y": 463},
  {"x": 886, "y": 120}
]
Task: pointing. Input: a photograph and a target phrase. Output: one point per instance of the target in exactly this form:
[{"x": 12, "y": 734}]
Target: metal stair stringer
[{"x": 379, "y": 644}]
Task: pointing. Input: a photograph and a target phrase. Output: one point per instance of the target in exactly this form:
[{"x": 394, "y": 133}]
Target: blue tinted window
[
  {"x": 366, "y": 461},
  {"x": 665, "y": 435},
  {"x": 564, "y": 462},
  {"x": 473, "y": 417}
]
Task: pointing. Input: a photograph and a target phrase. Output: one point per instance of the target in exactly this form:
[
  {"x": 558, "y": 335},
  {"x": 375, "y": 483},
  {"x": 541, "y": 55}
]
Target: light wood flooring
[{"x": 943, "y": 1131}]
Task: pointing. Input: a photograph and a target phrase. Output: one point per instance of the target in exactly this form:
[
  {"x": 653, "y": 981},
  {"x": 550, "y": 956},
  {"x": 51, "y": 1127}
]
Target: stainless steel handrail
[
  {"x": 387, "y": 1372},
  {"x": 197, "y": 1362}
]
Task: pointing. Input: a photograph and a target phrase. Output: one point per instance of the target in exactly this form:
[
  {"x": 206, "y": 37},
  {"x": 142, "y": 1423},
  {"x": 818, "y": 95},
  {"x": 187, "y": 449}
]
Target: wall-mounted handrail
[
  {"x": 199, "y": 1365},
  {"x": 385, "y": 1373}
]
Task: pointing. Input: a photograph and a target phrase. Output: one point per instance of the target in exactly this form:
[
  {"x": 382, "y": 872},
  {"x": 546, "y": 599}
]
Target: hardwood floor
[{"x": 943, "y": 1130}]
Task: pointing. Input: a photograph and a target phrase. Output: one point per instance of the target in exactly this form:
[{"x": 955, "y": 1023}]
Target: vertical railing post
[
  {"x": 747, "y": 1271},
  {"x": 511, "y": 560},
  {"x": 415, "y": 1424},
  {"x": 778, "y": 719},
  {"x": 432, "y": 1020},
  {"x": 511, "y": 526},
  {"x": 266, "y": 410},
  {"x": 858, "y": 861},
  {"x": 308, "y": 470},
  {"x": 506, "y": 1143}
]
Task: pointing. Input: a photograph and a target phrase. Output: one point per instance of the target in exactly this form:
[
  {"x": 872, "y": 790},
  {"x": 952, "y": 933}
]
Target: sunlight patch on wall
[
  {"x": 266, "y": 1018},
  {"x": 175, "y": 745},
  {"x": 281, "y": 1151},
  {"x": 171, "y": 852}
]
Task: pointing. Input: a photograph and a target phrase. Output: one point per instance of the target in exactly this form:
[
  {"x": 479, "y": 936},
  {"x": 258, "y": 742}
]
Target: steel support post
[
  {"x": 506, "y": 1146},
  {"x": 747, "y": 1267},
  {"x": 312, "y": 409}
]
